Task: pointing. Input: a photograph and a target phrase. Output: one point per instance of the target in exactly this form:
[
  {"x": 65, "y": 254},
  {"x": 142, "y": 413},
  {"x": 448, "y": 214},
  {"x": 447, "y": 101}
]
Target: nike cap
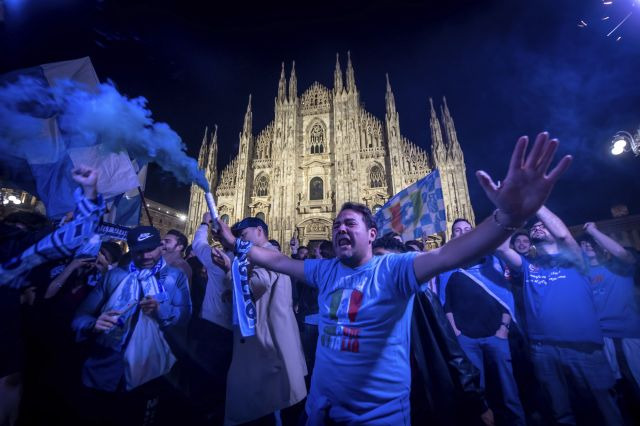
[{"x": 143, "y": 238}]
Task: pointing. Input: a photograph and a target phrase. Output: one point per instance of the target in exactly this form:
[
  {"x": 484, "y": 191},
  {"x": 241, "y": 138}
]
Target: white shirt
[{"x": 213, "y": 308}]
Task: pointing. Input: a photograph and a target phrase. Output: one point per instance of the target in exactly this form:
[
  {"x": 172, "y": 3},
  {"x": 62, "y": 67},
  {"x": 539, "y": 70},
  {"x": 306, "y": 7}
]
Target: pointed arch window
[
  {"x": 376, "y": 177},
  {"x": 225, "y": 218},
  {"x": 316, "y": 189},
  {"x": 317, "y": 139},
  {"x": 261, "y": 216},
  {"x": 262, "y": 186}
]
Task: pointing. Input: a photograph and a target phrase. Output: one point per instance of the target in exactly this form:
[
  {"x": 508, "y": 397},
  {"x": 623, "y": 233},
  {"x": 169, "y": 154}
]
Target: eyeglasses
[{"x": 536, "y": 227}]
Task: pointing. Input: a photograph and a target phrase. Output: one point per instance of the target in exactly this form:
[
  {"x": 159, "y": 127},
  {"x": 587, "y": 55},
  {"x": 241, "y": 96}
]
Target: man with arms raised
[
  {"x": 566, "y": 343},
  {"x": 362, "y": 373}
]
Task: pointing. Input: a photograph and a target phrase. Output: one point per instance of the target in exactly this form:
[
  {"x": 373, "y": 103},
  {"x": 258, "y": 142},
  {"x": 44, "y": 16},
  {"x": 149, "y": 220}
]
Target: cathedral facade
[{"x": 321, "y": 150}]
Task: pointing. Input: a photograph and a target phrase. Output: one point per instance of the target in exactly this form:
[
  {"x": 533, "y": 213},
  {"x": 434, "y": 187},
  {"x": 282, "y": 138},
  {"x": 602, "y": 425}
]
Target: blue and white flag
[
  {"x": 415, "y": 211},
  {"x": 36, "y": 155}
]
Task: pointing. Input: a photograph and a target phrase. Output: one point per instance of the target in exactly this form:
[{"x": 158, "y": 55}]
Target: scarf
[
  {"x": 489, "y": 275},
  {"x": 62, "y": 242},
  {"x": 244, "y": 310},
  {"x": 137, "y": 284}
]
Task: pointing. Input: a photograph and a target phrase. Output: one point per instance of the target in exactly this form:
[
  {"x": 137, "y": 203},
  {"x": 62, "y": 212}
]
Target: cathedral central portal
[{"x": 321, "y": 150}]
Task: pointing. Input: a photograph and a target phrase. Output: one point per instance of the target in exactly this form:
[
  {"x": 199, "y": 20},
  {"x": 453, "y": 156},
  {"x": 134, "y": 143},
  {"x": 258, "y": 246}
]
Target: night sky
[{"x": 507, "y": 68}]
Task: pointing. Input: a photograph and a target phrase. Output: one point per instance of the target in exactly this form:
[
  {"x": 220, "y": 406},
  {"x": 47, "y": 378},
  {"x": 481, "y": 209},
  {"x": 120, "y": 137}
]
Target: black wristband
[{"x": 205, "y": 224}]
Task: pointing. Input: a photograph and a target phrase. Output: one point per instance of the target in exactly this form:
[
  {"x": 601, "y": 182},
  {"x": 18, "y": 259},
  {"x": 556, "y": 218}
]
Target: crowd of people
[{"x": 504, "y": 324}]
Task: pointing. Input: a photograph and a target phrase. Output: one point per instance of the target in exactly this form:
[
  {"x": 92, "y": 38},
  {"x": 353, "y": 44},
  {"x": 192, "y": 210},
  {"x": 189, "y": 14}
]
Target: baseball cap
[
  {"x": 143, "y": 238},
  {"x": 249, "y": 222}
]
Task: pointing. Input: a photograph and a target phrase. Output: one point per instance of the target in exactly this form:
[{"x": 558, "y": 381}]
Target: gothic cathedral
[{"x": 321, "y": 150}]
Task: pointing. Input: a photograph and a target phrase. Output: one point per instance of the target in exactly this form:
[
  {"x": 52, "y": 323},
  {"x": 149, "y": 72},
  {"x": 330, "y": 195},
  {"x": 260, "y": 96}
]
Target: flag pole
[{"x": 144, "y": 203}]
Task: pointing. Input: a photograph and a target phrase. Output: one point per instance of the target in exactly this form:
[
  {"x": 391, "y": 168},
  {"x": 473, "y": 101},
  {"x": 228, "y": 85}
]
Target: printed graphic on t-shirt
[
  {"x": 343, "y": 308},
  {"x": 537, "y": 278}
]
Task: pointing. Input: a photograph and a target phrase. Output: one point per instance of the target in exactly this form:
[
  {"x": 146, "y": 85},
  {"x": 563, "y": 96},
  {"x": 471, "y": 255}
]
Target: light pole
[{"x": 624, "y": 141}]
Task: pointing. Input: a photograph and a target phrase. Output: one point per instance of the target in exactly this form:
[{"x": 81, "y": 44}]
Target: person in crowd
[
  {"x": 276, "y": 244},
  {"x": 53, "y": 382},
  {"x": 566, "y": 343},
  {"x": 130, "y": 310},
  {"x": 173, "y": 245},
  {"x": 198, "y": 281},
  {"x": 479, "y": 305},
  {"x": 323, "y": 250},
  {"x": 386, "y": 245},
  {"x": 301, "y": 253},
  {"x": 211, "y": 336},
  {"x": 395, "y": 235},
  {"x": 362, "y": 371},
  {"x": 616, "y": 300},
  {"x": 26, "y": 242},
  {"x": 307, "y": 311},
  {"x": 83, "y": 273},
  {"x": 297, "y": 251},
  {"x": 188, "y": 252},
  {"x": 267, "y": 371},
  {"x": 414, "y": 245},
  {"x": 521, "y": 243}
]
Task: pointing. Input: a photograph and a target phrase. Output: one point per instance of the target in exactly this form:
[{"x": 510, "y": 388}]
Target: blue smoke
[{"x": 86, "y": 117}]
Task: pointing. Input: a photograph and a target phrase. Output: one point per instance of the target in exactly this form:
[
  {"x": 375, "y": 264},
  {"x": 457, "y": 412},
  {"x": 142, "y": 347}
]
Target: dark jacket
[{"x": 446, "y": 386}]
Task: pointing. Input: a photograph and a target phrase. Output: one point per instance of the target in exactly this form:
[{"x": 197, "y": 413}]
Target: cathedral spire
[
  {"x": 212, "y": 161},
  {"x": 338, "y": 87},
  {"x": 282, "y": 86},
  {"x": 213, "y": 145},
  {"x": 438, "y": 150},
  {"x": 293, "y": 84},
  {"x": 453, "y": 147},
  {"x": 390, "y": 99},
  {"x": 351, "y": 80},
  {"x": 248, "y": 119},
  {"x": 202, "y": 155}
]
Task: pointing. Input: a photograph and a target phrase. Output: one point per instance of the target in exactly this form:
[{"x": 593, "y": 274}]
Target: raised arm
[
  {"x": 509, "y": 255},
  {"x": 525, "y": 188},
  {"x": 561, "y": 233},
  {"x": 269, "y": 259},
  {"x": 609, "y": 244}
]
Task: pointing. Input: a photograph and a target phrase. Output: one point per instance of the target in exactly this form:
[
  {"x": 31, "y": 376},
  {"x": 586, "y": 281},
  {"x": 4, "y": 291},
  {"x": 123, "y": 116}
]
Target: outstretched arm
[
  {"x": 269, "y": 259},
  {"x": 609, "y": 244},
  {"x": 561, "y": 233},
  {"x": 525, "y": 188}
]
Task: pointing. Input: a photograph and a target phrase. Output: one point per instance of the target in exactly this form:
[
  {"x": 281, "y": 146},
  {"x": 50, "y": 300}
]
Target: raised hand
[
  {"x": 224, "y": 235},
  {"x": 206, "y": 218},
  {"x": 221, "y": 259},
  {"x": 527, "y": 184},
  {"x": 86, "y": 177},
  {"x": 589, "y": 227}
]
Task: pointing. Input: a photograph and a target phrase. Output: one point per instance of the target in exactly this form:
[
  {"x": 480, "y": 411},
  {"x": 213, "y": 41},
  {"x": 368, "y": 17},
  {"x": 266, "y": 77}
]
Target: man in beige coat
[{"x": 267, "y": 371}]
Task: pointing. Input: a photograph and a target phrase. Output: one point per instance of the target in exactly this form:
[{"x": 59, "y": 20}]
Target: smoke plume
[{"x": 86, "y": 117}]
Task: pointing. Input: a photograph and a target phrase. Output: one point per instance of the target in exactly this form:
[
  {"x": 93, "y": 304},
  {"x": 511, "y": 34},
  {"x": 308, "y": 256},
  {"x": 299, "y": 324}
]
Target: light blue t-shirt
[
  {"x": 362, "y": 372},
  {"x": 616, "y": 300}
]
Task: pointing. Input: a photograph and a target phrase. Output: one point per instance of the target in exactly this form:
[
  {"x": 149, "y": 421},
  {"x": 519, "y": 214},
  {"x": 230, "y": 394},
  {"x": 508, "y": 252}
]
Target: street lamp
[{"x": 625, "y": 141}]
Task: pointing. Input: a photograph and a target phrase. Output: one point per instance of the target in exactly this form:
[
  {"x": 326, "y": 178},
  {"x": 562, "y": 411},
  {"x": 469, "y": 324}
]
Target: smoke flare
[{"x": 86, "y": 117}]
